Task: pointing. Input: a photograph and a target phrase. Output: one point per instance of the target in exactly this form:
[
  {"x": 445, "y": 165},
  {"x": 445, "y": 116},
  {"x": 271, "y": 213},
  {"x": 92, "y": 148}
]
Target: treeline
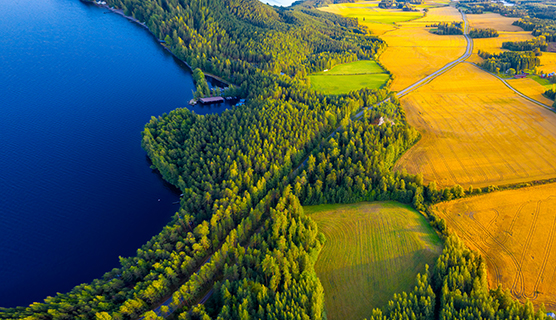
[
  {"x": 539, "y": 27},
  {"x": 502, "y": 62},
  {"x": 550, "y": 93},
  {"x": 481, "y": 6},
  {"x": 447, "y": 28},
  {"x": 404, "y": 5},
  {"x": 537, "y": 45},
  {"x": 483, "y": 33},
  {"x": 225, "y": 165},
  {"x": 457, "y": 288}
]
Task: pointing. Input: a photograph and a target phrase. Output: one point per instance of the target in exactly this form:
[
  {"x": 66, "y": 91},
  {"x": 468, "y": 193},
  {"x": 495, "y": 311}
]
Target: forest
[
  {"x": 447, "y": 28},
  {"x": 504, "y": 61},
  {"x": 537, "y": 44},
  {"x": 482, "y": 6},
  {"x": 483, "y": 33},
  {"x": 240, "y": 231}
]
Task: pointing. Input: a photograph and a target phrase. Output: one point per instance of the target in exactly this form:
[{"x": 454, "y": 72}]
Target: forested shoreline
[{"x": 241, "y": 210}]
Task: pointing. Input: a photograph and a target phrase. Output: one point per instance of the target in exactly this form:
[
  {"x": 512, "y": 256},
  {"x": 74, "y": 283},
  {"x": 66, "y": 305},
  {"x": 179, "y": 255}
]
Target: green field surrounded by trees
[
  {"x": 343, "y": 84},
  {"x": 351, "y": 76},
  {"x": 372, "y": 251},
  {"x": 356, "y": 67}
]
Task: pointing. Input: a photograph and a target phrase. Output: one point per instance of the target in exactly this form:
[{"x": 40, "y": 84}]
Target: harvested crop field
[
  {"x": 477, "y": 132},
  {"x": 531, "y": 88},
  {"x": 494, "y": 21},
  {"x": 514, "y": 231},
  {"x": 413, "y": 52},
  {"x": 494, "y": 45},
  {"x": 442, "y": 14},
  {"x": 548, "y": 62},
  {"x": 372, "y": 251}
]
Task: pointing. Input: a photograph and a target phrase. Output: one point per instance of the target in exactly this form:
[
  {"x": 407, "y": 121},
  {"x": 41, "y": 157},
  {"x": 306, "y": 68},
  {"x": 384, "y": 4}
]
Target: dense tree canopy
[{"x": 240, "y": 228}]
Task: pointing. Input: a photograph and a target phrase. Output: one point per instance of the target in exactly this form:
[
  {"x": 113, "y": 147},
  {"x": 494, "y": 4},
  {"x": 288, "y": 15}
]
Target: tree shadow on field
[{"x": 352, "y": 292}]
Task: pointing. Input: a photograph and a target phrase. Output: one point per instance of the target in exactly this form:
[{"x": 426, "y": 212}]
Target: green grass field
[
  {"x": 345, "y": 84},
  {"x": 372, "y": 251},
  {"x": 356, "y": 67},
  {"x": 351, "y": 76},
  {"x": 542, "y": 81}
]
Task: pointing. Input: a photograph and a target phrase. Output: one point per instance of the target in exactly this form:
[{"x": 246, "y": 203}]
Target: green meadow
[
  {"x": 372, "y": 251},
  {"x": 350, "y": 76}
]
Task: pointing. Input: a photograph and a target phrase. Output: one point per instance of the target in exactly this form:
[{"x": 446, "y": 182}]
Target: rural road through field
[
  {"x": 432, "y": 76},
  {"x": 515, "y": 90}
]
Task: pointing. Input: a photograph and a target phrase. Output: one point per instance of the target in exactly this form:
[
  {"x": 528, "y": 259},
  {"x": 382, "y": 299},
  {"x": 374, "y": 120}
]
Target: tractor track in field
[
  {"x": 547, "y": 252},
  {"x": 521, "y": 292},
  {"x": 518, "y": 266}
]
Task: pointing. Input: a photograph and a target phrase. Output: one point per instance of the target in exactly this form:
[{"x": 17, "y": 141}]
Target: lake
[{"x": 77, "y": 86}]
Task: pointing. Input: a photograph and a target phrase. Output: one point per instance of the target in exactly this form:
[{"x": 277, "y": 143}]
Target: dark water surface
[{"x": 76, "y": 88}]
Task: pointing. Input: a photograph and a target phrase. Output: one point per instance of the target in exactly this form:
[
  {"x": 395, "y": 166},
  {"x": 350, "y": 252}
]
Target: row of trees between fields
[{"x": 483, "y": 33}]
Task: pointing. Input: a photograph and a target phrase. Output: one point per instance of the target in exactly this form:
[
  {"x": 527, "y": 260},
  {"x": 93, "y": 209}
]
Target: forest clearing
[
  {"x": 514, "y": 231},
  {"x": 351, "y": 76},
  {"x": 477, "y": 132},
  {"x": 372, "y": 251}
]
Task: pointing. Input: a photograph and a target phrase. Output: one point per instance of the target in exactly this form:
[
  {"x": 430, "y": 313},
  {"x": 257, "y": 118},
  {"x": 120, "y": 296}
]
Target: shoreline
[{"x": 142, "y": 24}]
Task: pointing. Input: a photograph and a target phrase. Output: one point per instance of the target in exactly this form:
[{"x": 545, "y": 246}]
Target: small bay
[{"x": 78, "y": 84}]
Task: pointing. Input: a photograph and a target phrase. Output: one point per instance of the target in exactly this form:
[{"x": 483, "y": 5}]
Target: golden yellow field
[
  {"x": 377, "y": 20},
  {"x": 476, "y": 131},
  {"x": 493, "y": 20},
  {"x": 514, "y": 230},
  {"x": 413, "y": 52},
  {"x": 494, "y": 45},
  {"x": 442, "y": 14},
  {"x": 548, "y": 62},
  {"x": 531, "y": 88}
]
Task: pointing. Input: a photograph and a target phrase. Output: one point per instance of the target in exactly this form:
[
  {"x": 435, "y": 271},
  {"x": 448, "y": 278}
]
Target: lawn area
[
  {"x": 372, "y": 251},
  {"x": 356, "y": 67},
  {"x": 351, "y": 76},
  {"x": 344, "y": 84},
  {"x": 514, "y": 231}
]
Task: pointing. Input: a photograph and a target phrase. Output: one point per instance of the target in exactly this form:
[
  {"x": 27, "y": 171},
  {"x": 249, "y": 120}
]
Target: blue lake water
[{"x": 77, "y": 86}]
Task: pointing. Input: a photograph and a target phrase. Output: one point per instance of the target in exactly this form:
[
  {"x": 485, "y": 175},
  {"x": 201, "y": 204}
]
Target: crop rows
[
  {"x": 514, "y": 230},
  {"x": 480, "y": 135}
]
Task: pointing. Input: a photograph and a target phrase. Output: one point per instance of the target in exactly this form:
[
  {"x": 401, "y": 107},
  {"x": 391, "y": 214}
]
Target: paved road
[
  {"x": 432, "y": 76},
  {"x": 516, "y": 91}
]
